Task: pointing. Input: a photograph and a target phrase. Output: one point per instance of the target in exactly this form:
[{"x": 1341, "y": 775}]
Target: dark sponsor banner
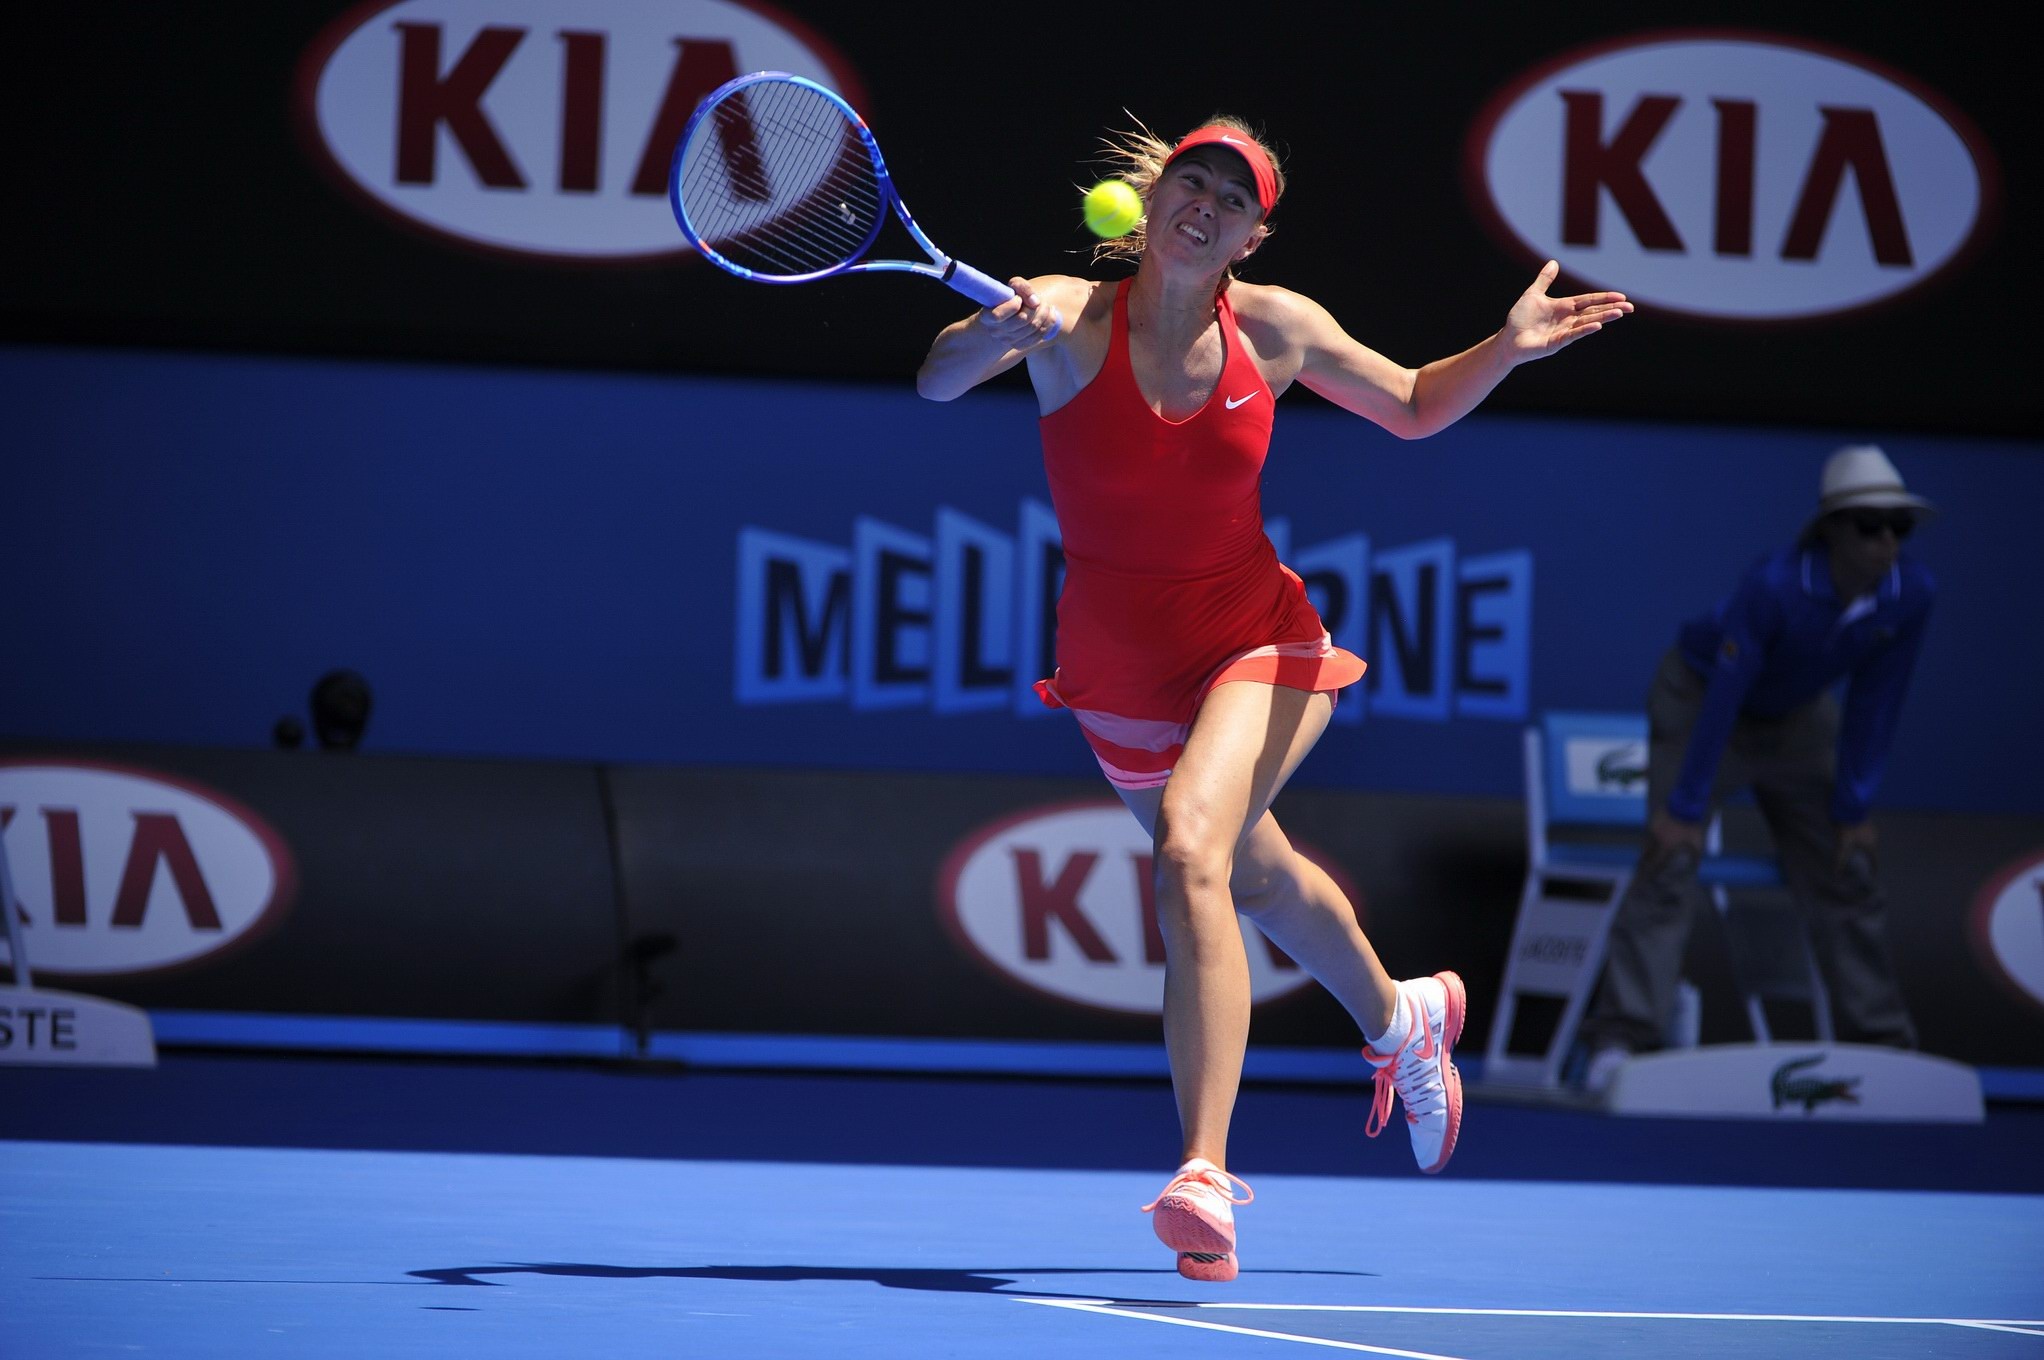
[
  {"x": 819, "y": 902},
  {"x": 1003, "y": 908},
  {"x": 484, "y": 180},
  {"x": 1014, "y": 909},
  {"x": 317, "y": 884}
]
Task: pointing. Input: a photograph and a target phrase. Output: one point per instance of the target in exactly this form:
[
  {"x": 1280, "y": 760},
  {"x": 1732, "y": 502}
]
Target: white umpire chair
[{"x": 1586, "y": 807}]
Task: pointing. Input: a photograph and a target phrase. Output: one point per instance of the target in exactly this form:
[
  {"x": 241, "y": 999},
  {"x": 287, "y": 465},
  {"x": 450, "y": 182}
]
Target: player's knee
[{"x": 1191, "y": 858}]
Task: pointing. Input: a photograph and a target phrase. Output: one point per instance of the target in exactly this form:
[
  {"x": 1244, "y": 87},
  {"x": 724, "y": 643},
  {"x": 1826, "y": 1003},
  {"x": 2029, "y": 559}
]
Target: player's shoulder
[
  {"x": 1271, "y": 304},
  {"x": 1277, "y": 319}
]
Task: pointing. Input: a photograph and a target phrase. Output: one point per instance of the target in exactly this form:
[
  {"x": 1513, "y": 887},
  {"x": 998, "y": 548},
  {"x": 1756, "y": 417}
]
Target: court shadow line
[{"x": 986, "y": 1280}]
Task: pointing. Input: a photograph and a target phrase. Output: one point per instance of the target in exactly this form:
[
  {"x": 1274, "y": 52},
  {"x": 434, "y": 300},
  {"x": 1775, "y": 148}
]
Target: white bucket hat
[{"x": 1860, "y": 476}]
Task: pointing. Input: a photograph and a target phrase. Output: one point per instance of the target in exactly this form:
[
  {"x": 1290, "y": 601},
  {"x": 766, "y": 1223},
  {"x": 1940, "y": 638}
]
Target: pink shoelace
[
  {"x": 1407, "y": 1086},
  {"x": 1208, "y": 1178},
  {"x": 1380, "y": 1099}
]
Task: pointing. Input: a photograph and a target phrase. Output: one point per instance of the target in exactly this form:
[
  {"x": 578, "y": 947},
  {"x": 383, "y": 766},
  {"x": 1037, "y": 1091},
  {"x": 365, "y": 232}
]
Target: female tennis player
[{"x": 1198, "y": 669}]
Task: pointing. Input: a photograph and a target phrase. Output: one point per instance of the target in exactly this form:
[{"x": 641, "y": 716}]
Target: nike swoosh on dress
[{"x": 1233, "y": 402}]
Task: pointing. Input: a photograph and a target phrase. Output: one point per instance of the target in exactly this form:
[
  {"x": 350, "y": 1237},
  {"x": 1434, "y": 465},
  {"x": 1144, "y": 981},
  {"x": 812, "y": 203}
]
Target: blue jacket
[{"x": 1780, "y": 641}]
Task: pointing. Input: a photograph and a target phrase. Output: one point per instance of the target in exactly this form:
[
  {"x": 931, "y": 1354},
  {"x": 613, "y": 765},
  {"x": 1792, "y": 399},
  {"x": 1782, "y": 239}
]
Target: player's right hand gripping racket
[{"x": 779, "y": 180}]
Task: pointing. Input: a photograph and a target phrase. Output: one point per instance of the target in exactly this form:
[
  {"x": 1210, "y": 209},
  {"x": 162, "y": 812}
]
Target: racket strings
[
  {"x": 829, "y": 226},
  {"x": 785, "y": 186}
]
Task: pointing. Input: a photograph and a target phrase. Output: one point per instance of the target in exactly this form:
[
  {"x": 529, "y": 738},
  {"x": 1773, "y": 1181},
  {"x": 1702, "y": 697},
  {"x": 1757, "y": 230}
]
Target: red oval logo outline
[
  {"x": 659, "y": 240},
  {"x": 1841, "y": 198},
  {"x": 1982, "y": 922},
  {"x": 260, "y": 921}
]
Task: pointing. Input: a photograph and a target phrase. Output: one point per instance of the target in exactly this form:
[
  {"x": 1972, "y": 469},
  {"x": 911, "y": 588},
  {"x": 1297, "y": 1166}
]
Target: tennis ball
[{"x": 1112, "y": 208}]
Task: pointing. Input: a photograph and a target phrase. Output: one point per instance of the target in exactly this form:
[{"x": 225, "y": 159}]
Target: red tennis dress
[{"x": 1171, "y": 586}]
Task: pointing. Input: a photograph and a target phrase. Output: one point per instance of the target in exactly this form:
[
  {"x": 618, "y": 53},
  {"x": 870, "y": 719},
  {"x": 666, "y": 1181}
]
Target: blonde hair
[{"x": 1138, "y": 156}]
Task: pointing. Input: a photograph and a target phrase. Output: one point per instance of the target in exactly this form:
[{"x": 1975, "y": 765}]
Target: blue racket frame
[{"x": 984, "y": 289}]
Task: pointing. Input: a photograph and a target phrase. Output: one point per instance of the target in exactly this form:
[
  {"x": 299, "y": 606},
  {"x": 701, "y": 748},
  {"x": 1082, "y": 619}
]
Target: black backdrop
[
  {"x": 808, "y": 902},
  {"x": 165, "y": 197}
]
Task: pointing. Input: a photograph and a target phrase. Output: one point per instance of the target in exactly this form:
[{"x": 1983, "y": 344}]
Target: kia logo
[
  {"x": 537, "y": 126},
  {"x": 1062, "y": 900},
  {"x": 1731, "y": 176},
  {"x": 2008, "y": 927},
  {"x": 124, "y": 871}
]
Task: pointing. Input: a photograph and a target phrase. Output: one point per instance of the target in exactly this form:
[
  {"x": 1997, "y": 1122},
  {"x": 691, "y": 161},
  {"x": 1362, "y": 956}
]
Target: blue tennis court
[
  {"x": 231, "y": 1206},
  {"x": 608, "y": 785}
]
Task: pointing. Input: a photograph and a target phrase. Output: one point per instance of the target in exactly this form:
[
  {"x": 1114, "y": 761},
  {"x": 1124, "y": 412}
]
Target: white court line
[
  {"x": 1623, "y": 1316},
  {"x": 1089, "y": 1306},
  {"x": 2021, "y": 1326}
]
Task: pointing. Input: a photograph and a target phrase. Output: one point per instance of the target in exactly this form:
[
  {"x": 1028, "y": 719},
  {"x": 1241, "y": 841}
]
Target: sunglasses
[{"x": 1870, "y": 523}]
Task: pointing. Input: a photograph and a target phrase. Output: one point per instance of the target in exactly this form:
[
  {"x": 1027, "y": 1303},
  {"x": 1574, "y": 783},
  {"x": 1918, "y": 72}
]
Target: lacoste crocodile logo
[
  {"x": 1621, "y": 767},
  {"x": 1809, "y": 1092}
]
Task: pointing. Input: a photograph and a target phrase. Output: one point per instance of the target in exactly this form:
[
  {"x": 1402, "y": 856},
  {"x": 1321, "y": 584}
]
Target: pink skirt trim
[{"x": 1140, "y": 753}]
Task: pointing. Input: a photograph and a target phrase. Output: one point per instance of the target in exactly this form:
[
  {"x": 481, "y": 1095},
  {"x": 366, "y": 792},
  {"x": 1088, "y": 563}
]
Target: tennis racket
[{"x": 778, "y": 180}]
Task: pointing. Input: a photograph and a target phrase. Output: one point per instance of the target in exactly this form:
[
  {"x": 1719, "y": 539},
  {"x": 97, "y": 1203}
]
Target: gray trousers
[{"x": 1789, "y": 764}]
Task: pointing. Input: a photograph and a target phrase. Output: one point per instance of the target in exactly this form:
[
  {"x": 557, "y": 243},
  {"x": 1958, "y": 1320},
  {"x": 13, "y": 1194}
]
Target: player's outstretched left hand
[{"x": 1538, "y": 325}]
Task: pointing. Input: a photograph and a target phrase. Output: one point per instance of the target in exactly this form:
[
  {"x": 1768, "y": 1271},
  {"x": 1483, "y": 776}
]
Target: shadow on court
[{"x": 981, "y": 1281}]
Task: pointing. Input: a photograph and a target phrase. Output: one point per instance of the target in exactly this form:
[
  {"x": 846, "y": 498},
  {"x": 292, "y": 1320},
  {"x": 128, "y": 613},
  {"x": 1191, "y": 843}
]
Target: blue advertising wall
[{"x": 689, "y": 570}]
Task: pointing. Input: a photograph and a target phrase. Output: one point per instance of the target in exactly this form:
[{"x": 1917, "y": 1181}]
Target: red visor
[{"x": 1244, "y": 146}]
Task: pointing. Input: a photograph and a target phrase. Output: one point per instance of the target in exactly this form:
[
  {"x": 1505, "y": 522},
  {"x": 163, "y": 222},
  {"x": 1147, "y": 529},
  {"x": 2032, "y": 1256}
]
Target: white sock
[{"x": 1398, "y": 1031}]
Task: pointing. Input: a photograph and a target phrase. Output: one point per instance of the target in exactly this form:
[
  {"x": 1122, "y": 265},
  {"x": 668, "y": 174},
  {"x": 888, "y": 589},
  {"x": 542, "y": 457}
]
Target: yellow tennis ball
[{"x": 1113, "y": 208}]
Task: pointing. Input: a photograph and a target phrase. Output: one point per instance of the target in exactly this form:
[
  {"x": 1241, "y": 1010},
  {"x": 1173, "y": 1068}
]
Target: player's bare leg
[
  {"x": 1239, "y": 757},
  {"x": 1246, "y": 741}
]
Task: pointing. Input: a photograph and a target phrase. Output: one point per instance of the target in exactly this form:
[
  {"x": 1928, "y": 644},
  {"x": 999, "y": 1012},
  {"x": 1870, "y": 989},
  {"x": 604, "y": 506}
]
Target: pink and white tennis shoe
[
  {"x": 1419, "y": 1069},
  {"x": 1195, "y": 1217}
]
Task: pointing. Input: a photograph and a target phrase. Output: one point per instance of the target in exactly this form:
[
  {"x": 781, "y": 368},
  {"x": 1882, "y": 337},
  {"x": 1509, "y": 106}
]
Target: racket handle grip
[{"x": 984, "y": 289}]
